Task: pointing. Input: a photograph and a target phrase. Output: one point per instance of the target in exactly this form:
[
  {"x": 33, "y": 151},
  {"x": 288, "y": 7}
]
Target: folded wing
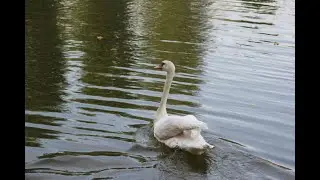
[{"x": 171, "y": 126}]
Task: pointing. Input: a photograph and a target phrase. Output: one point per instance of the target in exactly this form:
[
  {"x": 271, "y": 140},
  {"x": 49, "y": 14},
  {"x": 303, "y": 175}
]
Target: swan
[{"x": 174, "y": 131}]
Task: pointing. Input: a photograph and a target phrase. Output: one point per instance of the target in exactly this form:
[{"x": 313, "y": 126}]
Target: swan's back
[
  {"x": 171, "y": 126},
  {"x": 181, "y": 132}
]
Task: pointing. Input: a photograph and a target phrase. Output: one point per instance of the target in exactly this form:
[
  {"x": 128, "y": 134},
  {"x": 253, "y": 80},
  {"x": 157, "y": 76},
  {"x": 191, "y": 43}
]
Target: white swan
[{"x": 178, "y": 131}]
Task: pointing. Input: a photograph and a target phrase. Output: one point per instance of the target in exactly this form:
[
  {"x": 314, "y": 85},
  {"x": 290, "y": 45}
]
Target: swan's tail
[
  {"x": 209, "y": 146},
  {"x": 200, "y": 150}
]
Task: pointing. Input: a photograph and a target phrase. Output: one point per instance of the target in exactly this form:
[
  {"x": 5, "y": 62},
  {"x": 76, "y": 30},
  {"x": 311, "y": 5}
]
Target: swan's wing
[{"x": 170, "y": 126}]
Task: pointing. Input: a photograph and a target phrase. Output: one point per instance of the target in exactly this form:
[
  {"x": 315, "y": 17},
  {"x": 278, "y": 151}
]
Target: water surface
[{"x": 92, "y": 92}]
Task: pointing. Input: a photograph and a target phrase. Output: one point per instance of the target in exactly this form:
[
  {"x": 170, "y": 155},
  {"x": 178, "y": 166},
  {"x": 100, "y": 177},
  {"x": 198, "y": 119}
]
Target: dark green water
[{"x": 89, "y": 100}]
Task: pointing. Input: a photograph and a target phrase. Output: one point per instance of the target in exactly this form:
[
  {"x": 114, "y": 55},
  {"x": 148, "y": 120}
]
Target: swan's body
[{"x": 178, "y": 131}]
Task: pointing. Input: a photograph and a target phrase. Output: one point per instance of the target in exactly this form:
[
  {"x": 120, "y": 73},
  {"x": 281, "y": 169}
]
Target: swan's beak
[{"x": 158, "y": 67}]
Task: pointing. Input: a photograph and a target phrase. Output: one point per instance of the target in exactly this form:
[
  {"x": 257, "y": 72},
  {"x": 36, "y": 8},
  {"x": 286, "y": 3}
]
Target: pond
[{"x": 92, "y": 92}]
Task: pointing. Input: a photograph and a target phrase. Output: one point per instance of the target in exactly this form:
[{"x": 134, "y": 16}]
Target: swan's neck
[{"x": 162, "y": 110}]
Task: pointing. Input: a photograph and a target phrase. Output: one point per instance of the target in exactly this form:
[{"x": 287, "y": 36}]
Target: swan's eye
[{"x": 162, "y": 64}]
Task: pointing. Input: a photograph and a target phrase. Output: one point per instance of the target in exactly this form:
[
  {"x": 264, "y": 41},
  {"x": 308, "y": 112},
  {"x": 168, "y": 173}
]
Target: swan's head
[{"x": 167, "y": 66}]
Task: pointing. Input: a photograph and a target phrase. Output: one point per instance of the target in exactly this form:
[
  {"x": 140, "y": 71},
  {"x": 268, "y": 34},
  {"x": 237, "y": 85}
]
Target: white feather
[{"x": 171, "y": 126}]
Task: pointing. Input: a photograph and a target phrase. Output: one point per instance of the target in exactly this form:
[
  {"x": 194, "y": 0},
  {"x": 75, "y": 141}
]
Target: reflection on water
[
  {"x": 90, "y": 101},
  {"x": 45, "y": 65}
]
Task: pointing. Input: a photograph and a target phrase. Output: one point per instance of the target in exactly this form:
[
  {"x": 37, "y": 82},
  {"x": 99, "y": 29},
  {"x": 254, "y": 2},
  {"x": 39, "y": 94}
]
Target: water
[{"x": 92, "y": 92}]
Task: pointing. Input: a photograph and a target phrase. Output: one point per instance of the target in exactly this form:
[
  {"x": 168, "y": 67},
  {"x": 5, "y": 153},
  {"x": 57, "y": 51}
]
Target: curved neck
[{"x": 162, "y": 111}]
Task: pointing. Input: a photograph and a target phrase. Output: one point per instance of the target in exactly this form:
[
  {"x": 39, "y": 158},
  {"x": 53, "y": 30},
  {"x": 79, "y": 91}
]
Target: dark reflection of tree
[
  {"x": 109, "y": 20},
  {"x": 44, "y": 61},
  {"x": 260, "y": 6},
  {"x": 178, "y": 35},
  {"x": 178, "y": 21},
  {"x": 33, "y": 135},
  {"x": 44, "y": 67}
]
